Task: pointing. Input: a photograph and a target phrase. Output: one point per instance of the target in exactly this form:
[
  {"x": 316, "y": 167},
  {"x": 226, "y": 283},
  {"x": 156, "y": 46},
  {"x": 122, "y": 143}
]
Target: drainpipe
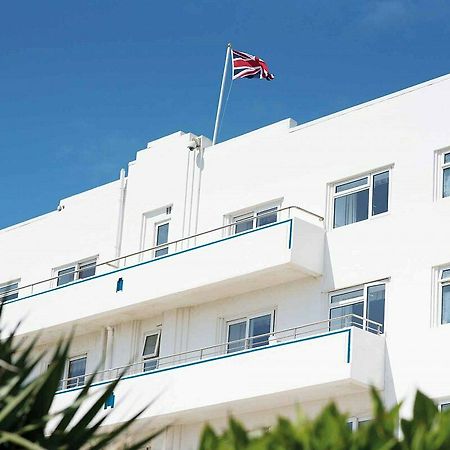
[
  {"x": 109, "y": 330},
  {"x": 123, "y": 187}
]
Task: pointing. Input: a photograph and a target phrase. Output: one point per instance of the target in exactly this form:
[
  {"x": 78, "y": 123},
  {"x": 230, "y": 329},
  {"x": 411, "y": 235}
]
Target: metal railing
[
  {"x": 240, "y": 345},
  {"x": 149, "y": 253}
]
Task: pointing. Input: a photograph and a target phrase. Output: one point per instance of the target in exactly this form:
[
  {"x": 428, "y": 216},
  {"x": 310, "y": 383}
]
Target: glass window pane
[
  {"x": 338, "y": 319},
  {"x": 446, "y": 183},
  {"x": 351, "y": 208},
  {"x": 380, "y": 193},
  {"x": 375, "y": 306},
  {"x": 445, "y": 406},
  {"x": 66, "y": 276},
  {"x": 236, "y": 332},
  {"x": 447, "y": 158},
  {"x": 243, "y": 224},
  {"x": 8, "y": 292},
  {"x": 162, "y": 251},
  {"x": 445, "y": 274},
  {"x": 258, "y": 326},
  {"x": 76, "y": 372},
  {"x": 87, "y": 270},
  {"x": 351, "y": 185},
  {"x": 150, "y": 345},
  {"x": 266, "y": 217},
  {"x": 162, "y": 236},
  {"x": 445, "y": 304},
  {"x": 347, "y": 295},
  {"x": 150, "y": 364}
]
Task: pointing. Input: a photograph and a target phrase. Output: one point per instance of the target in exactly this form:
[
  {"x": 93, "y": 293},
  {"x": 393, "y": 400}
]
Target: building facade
[{"x": 287, "y": 267}]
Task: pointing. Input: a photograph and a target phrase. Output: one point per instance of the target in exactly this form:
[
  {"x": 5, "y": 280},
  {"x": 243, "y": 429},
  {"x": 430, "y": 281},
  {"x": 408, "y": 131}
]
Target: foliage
[
  {"x": 428, "y": 429},
  {"x": 25, "y": 404}
]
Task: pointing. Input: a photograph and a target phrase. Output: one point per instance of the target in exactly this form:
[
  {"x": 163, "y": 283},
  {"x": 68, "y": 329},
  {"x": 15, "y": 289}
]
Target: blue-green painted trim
[
  {"x": 170, "y": 255},
  {"x": 229, "y": 355},
  {"x": 290, "y": 235}
]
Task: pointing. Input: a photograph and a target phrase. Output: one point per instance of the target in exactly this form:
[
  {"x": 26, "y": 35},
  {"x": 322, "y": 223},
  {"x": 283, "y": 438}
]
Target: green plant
[
  {"x": 428, "y": 429},
  {"x": 26, "y": 420}
]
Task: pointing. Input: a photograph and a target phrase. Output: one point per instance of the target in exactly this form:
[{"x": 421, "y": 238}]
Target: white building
[{"x": 315, "y": 309}]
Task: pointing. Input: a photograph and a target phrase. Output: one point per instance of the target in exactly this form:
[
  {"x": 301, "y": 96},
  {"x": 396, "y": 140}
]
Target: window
[
  {"x": 76, "y": 372},
  {"x": 253, "y": 219},
  {"x": 150, "y": 351},
  {"x": 366, "y": 302},
  {"x": 77, "y": 271},
  {"x": 444, "y": 288},
  {"x": 161, "y": 237},
  {"x": 249, "y": 332},
  {"x": 354, "y": 423},
  {"x": 446, "y": 174},
  {"x": 444, "y": 406},
  {"x": 359, "y": 199},
  {"x": 9, "y": 291}
]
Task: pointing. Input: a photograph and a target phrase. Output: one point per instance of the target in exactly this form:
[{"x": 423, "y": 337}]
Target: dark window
[
  {"x": 162, "y": 237},
  {"x": 87, "y": 270},
  {"x": 446, "y": 183},
  {"x": 380, "y": 193},
  {"x": 76, "y": 372},
  {"x": 9, "y": 292},
  {"x": 266, "y": 217},
  {"x": 375, "y": 306},
  {"x": 445, "y": 304},
  {"x": 66, "y": 275},
  {"x": 351, "y": 208},
  {"x": 356, "y": 200},
  {"x": 343, "y": 316},
  {"x": 151, "y": 352}
]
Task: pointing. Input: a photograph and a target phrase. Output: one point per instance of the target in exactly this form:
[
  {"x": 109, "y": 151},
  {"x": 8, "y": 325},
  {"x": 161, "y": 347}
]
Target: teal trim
[
  {"x": 290, "y": 235},
  {"x": 229, "y": 355},
  {"x": 170, "y": 255}
]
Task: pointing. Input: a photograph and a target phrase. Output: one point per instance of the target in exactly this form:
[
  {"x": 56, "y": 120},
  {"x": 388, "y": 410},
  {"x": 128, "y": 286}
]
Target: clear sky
[{"x": 85, "y": 84}]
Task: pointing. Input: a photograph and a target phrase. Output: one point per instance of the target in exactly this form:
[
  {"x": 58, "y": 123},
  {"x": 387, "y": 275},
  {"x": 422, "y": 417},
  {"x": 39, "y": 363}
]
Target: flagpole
[{"x": 219, "y": 106}]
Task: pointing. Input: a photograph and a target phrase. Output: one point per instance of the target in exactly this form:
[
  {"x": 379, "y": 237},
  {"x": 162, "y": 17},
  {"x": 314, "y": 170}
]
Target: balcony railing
[
  {"x": 199, "y": 239},
  {"x": 227, "y": 348}
]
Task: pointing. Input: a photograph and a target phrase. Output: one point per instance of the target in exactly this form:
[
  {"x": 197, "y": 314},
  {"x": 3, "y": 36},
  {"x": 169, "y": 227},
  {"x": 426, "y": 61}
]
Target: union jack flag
[{"x": 249, "y": 66}]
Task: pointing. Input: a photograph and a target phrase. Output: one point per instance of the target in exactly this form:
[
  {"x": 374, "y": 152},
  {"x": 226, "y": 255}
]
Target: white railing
[
  {"x": 213, "y": 351},
  {"x": 204, "y": 237}
]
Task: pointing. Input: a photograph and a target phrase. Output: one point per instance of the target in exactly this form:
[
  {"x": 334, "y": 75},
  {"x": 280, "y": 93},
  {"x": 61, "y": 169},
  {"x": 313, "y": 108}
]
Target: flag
[{"x": 249, "y": 66}]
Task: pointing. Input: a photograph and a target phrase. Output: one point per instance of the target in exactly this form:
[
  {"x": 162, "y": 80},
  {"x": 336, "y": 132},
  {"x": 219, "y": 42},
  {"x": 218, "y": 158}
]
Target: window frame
[
  {"x": 4, "y": 295},
  {"x": 368, "y": 185},
  {"x": 442, "y": 167},
  {"x": 355, "y": 421},
  {"x": 444, "y": 403},
  {"x": 155, "y": 355},
  {"x": 246, "y": 319},
  {"x": 65, "y": 384},
  {"x": 156, "y": 226},
  {"x": 76, "y": 272},
  {"x": 364, "y": 298},
  {"x": 252, "y": 213},
  {"x": 442, "y": 282}
]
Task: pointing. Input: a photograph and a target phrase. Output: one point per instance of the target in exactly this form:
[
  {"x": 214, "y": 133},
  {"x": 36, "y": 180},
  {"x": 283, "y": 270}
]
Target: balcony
[
  {"x": 301, "y": 364},
  {"x": 201, "y": 268}
]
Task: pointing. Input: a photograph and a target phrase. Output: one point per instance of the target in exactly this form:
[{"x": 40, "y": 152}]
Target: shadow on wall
[{"x": 328, "y": 284}]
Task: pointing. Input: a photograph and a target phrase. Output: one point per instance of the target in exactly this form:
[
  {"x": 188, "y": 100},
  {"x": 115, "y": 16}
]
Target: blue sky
[{"x": 84, "y": 85}]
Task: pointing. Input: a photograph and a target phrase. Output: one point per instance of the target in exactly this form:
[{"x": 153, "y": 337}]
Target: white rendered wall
[{"x": 281, "y": 164}]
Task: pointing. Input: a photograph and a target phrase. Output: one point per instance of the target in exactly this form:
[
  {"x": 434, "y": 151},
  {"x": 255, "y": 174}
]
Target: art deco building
[{"x": 285, "y": 267}]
